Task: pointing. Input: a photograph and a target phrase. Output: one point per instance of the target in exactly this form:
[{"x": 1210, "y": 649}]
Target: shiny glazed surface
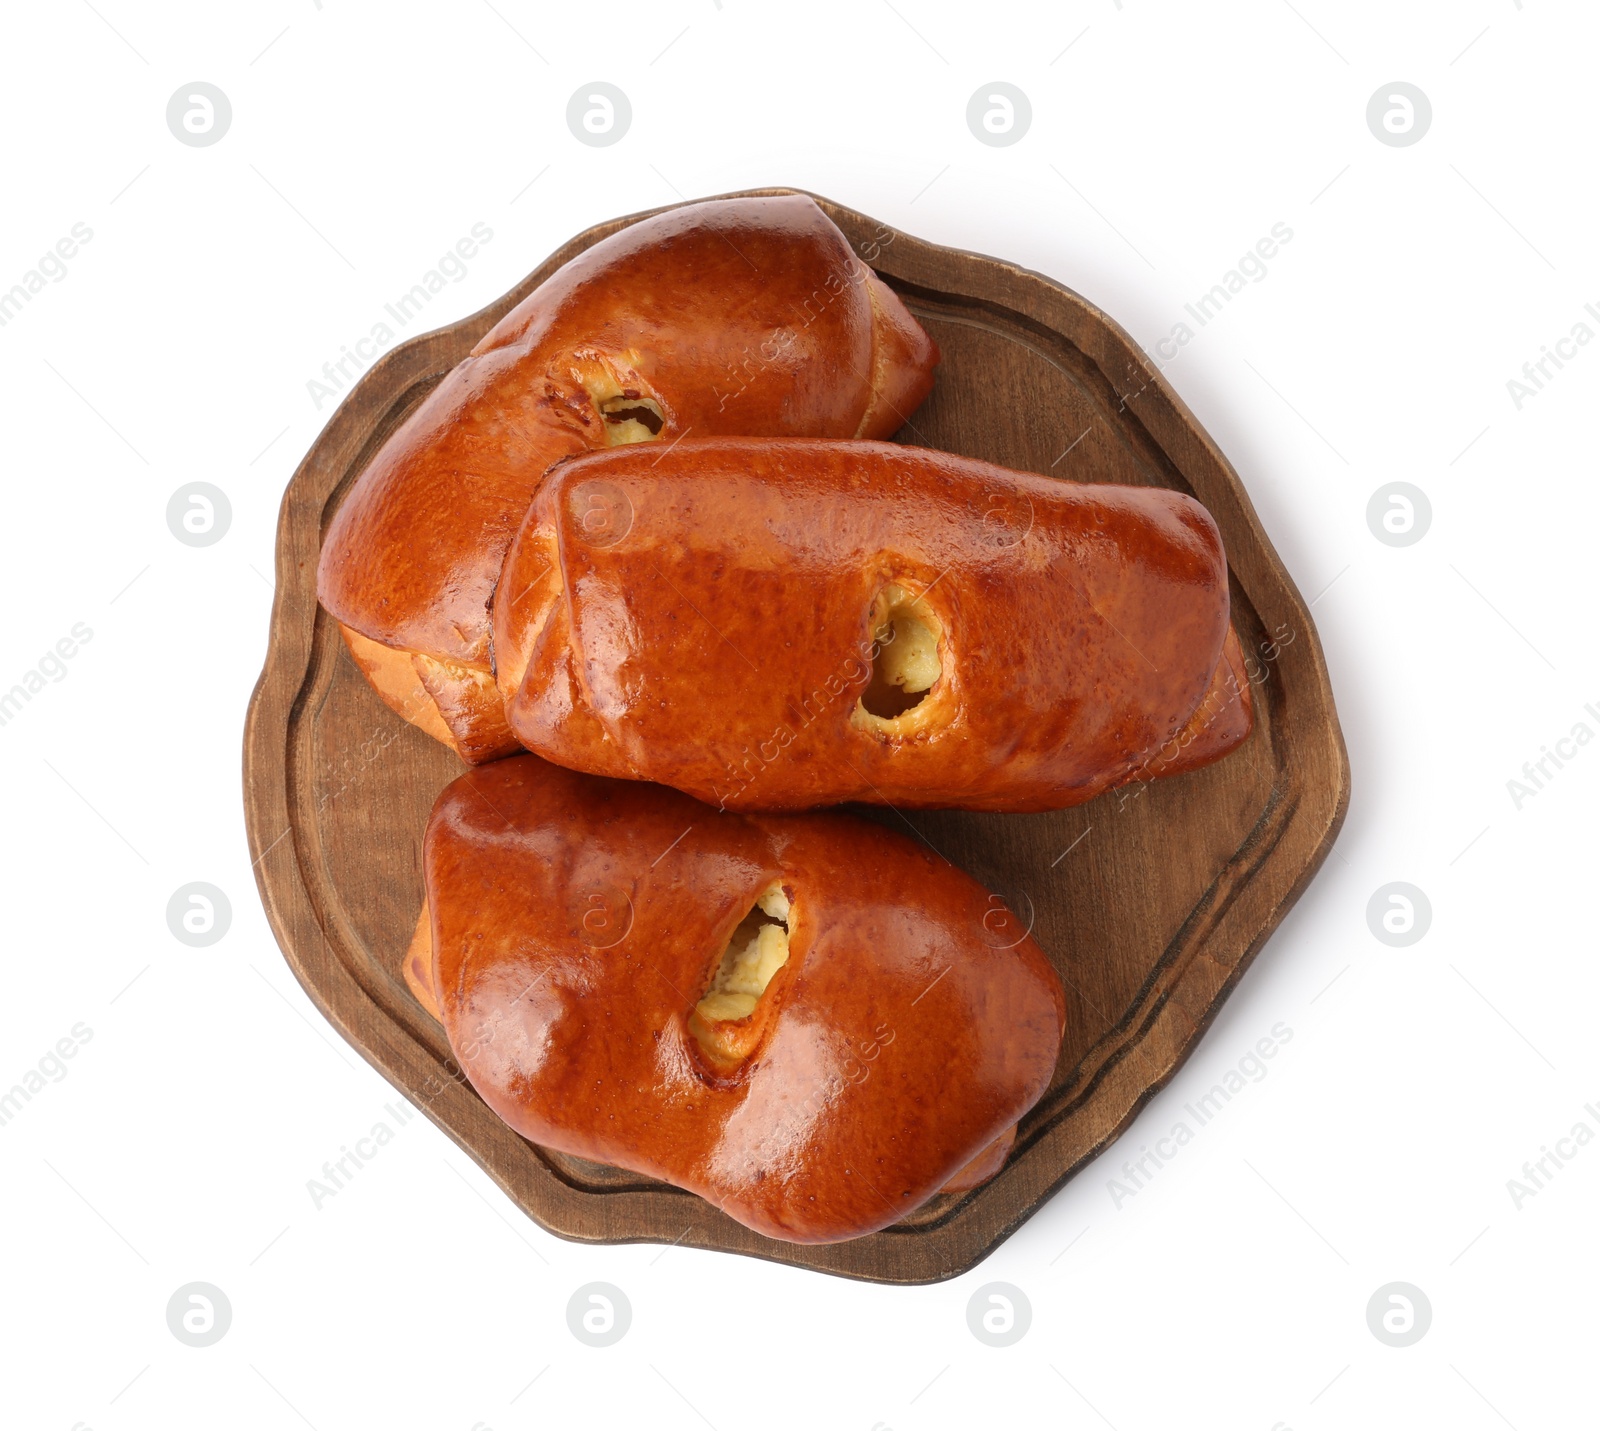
[
  {"x": 732, "y": 316},
  {"x": 576, "y": 921},
  {"x": 704, "y": 618}
]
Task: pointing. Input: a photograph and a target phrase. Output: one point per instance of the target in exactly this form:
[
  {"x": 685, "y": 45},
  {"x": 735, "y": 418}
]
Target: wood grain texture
[{"x": 1150, "y": 901}]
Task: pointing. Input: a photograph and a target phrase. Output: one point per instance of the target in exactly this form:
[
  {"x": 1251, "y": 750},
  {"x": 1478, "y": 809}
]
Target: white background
[{"x": 1167, "y": 138}]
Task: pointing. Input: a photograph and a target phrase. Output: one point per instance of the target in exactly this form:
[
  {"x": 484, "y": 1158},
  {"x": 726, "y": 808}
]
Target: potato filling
[
  {"x": 758, "y": 949},
  {"x": 631, "y": 418},
  {"x": 907, "y": 664}
]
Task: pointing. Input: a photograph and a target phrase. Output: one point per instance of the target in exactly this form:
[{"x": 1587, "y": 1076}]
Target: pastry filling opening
[
  {"x": 906, "y": 633},
  {"x": 758, "y": 948},
  {"x": 631, "y": 418}
]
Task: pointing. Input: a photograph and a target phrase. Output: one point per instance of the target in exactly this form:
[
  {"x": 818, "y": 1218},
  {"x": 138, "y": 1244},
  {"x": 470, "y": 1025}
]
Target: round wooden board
[{"x": 1150, "y": 901}]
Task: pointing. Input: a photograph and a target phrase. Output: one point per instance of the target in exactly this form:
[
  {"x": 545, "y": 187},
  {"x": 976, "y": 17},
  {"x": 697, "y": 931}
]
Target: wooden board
[{"x": 1151, "y": 901}]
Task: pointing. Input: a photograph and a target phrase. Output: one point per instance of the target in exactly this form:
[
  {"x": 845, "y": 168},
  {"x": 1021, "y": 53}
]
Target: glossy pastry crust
[
  {"x": 733, "y": 316},
  {"x": 718, "y": 618},
  {"x": 576, "y": 923}
]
